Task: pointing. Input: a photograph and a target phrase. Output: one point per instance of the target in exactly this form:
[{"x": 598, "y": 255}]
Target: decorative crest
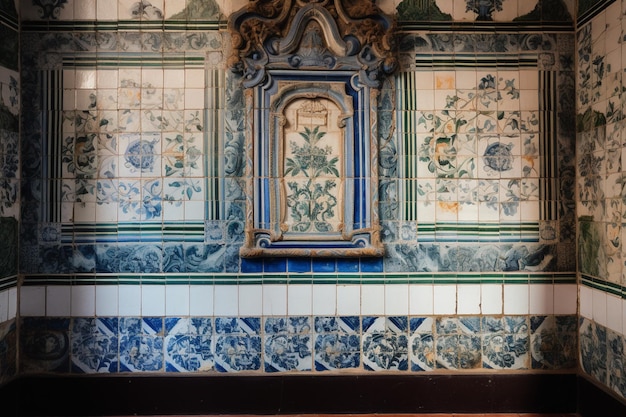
[{"x": 313, "y": 35}]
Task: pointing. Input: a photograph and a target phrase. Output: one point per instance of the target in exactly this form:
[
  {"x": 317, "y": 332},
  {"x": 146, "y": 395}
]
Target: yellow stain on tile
[
  {"x": 449, "y": 206},
  {"x": 444, "y": 81}
]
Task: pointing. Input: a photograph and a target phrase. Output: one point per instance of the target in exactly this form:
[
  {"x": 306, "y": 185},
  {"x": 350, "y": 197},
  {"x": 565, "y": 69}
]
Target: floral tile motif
[
  {"x": 8, "y": 350},
  {"x": 615, "y": 362},
  {"x": 288, "y": 344},
  {"x": 593, "y": 349},
  {"x": 188, "y": 344},
  {"x": 458, "y": 342},
  {"x": 141, "y": 344},
  {"x": 505, "y": 342},
  {"x": 423, "y": 354},
  {"x": 238, "y": 345},
  {"x": 553, "y": 342},
  {"x": 94, "y": 345},
  {"x": 337, "y": 343},
  {"x": 45, "y": 345},
  {"x": 385, "y": 343}
]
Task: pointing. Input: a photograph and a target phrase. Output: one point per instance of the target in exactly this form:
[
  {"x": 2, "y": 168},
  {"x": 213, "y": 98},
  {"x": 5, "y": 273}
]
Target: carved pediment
[{"x": 313, "y": 34}]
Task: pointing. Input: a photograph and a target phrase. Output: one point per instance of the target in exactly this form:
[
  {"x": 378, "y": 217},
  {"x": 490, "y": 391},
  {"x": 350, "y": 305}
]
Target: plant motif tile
[
  {"x": 238, "y": 344},
  {"x": 337, "y": 343},
  {"x": 553, "y": 342},
  {"x": 141, "y": 344},
  {"x": 593, "y": 349},
  {"x": 288, "y": 344},
  {"x": 458, "y": 343},
  {"x": 45, "y": 345},
  {"x": 94, "y": 345},
  {"x": 188, "y": 344},
  {"x": 385, "y": 343},
  {"x": 422, "y": 342},
  {"x": 505, "y": 342},
  {"x": 615, "y": 362}
]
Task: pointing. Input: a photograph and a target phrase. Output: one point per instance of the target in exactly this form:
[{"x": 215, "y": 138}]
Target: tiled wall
[
  {"x": 9, "y": 185},
  {"x": 600, "y": 172},
  {"x": 133, "y": 215}
]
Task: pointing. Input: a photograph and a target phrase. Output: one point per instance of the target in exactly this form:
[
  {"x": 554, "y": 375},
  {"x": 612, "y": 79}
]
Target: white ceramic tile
[
  {"x": 348, "y": 300},
  {"x": 58, "y": 301},
  {"x": 106, "y": 10},
  {"x": 421, "y": 300},
  {"x": 444, "y": 299},
  {"x": 299, "y": 300},
  {"x": 250, "y": 300},
  {"x": 623, "y": 317},
  {"x": 491, "y": 298},
  {"x": 177, "y": 300},
  {"x": 33, "y": 301},
  {"x": 4, "y": 306},
  {"x": 586, "y": 302},
  {"x": 614, "y": 314},
  {"x": 516, "y": 299},
  {"x": 275, "y": 300},
  {"x": 129, "y": 300},
  {"x": 468, "y": 299},
  {"x": 565, "y": 299},
  {"x": 541, "y": 299},
  {"x": 324, "y": 300},
  {"x": 226, "y": 300},
  {"x": 201, "y": 300},
  {"x": 153, "y": 300},
  {"x": 12, "y": 303},
  {"x": 599, "y": 307},
  {"x": 83, "y": 300},
  {"x": 372, "y": 300},
  {"x": 397, "y": 300},
  {"x": 194, "y": 78},
  {"x": 107, "y": 300}
]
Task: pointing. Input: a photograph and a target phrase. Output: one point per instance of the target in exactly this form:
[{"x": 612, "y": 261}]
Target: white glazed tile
[
  {"x": 599, "y": 307},
  {"x": 32, "y": 301},
  {"x": 565, "y": 299},
  {"x": 177, "y": 300},
  {"x": 586, "y": 302},
  {"x": 226, "y": 300},
  {"x": 83, "y": 301},
  {"x": 541, "y": 299},
  {"x": 107, "y": 300},
  {"x": 201, "y": 300},
  {"x": 129, "y": 300},
  {"x": 250, "y": 300},
  {"x": 491, "y": 298},
  {"x": 614, "y": 314},
  {"x": 348, "y": 300},
  {"x": 516, "y": 299},
  {"x": 397, "y": 300},
  {"x": 444, "y": 298},
  {"x": 299, "y": 300},
  {"x": 12, "y": 303},
  {"x": 468, "y": 299},
  {"x": 4, "y": 306},
  {"x": 153, "y": 300},
  {"x": 324, "y": 300},
  {"x": 275, "y": 300},
  {"x": 421, "y": 300},
  {"x": 58, "y": 301},
  {"x": 373, "y": 300}
]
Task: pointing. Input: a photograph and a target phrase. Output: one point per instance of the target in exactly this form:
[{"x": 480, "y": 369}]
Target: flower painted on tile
[
  {"x": 238, "y": 353},
  {"x": 140, "y": 154},
  {"x": 145, "y": 10},
  {"x": 49, "y": 9},
  {"x": 286, "y": 352},
  {"x": 483, "y": 8},
  {"x": 498, "y": 157}
]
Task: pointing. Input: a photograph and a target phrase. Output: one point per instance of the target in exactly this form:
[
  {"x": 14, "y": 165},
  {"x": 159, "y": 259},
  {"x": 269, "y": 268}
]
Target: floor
[{"x": 401, "y": 415}]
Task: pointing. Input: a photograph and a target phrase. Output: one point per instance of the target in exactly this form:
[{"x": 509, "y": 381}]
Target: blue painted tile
[
  {"x": 275, "y": 265},
  {"x": 323, "y": 265},
  {"x": 371, "y": 264},
  {"x": 251, "y": 265},
  {"x": 299, "y": 265},
  {"x": 347, "y": 265}
]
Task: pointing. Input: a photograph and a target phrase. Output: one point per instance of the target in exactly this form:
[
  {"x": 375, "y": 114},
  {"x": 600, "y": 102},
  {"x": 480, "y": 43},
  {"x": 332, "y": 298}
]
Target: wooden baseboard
[
  {"x": 595, "y": 400},
  {"x": 289, "y": 394}
]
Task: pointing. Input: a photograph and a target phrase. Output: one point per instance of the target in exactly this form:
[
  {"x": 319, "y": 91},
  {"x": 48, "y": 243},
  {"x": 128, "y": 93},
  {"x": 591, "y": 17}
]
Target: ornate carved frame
[{"x": 313, "y": 51}]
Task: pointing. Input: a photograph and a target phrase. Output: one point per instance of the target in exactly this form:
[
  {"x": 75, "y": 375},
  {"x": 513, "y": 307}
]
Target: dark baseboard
[
  {"x": 595, "y": 400},
  {"x": 289, "y": 394}
]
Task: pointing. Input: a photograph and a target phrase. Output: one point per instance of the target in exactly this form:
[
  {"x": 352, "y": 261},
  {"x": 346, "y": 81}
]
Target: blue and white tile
[
  {"x": 141, "y": 344},
  {"x": 385, "y": 343},
  {"x": 337, "y": 342},
  {"x": 288, "y": 344},
  {"x": 188, "y": 345},
  {"x": 94, "y": 345}
]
